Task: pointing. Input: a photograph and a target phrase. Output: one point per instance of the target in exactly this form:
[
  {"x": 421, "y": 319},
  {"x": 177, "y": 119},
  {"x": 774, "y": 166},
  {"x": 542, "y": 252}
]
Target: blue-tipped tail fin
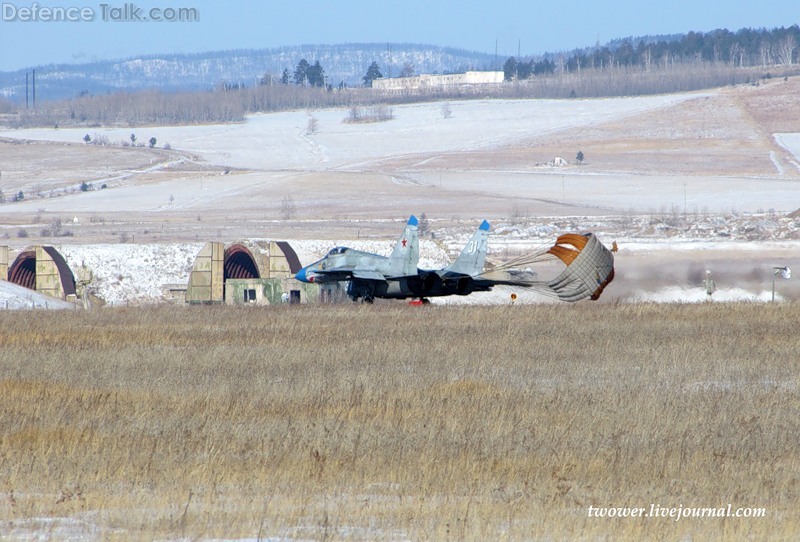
[
  {"x": 405, "y": 256},
  {"x": 473, "y": 256}
]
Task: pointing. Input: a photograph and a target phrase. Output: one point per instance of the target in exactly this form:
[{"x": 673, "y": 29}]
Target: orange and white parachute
[{"x": 589, "y": 267}]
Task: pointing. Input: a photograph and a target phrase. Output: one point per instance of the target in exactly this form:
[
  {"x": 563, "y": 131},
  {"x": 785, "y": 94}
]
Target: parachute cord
[
  {"x": 539, "y": 255},
  {"x": 542, "y": 288},
  {"x": 539, "y": 287}
]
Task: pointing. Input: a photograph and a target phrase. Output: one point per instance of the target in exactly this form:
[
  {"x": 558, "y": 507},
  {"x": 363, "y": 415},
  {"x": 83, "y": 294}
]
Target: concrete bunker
[
  {"x": 259, "y": 272},
  {"x": 44, "y": 270}
]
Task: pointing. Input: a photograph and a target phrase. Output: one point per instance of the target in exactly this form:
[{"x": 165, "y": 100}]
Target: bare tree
[
  {"x": 647, "y": 59},
  {"x": 313, "y": 125},
  {"x": 737, "y": 55},
  {"x": 408, "y": 70},
  {"x": 785, "y": 50},
  {"x": 288, "y": 209},
  {"x": 423, "y": 227},
  {"x": 561, "y": 64},
  {"x": 446, "y": 111},
  {"x": 765, "y": 52}
]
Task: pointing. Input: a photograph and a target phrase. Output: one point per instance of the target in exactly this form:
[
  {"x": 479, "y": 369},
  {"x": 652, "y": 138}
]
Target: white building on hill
[{"x": 449, "y": 82}]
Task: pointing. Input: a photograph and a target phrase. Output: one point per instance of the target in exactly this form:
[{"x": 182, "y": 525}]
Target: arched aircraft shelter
[
  {"x": 43, "y": 269},
  {"x": 262, "y": 269},
  {"x": 239, "y": 263}
]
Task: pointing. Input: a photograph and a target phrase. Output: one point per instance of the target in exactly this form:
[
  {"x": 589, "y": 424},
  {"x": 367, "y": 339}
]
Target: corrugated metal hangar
[{"x": 43, "y": 269}]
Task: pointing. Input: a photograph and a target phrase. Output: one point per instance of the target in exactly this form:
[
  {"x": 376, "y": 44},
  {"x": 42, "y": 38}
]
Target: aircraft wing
[
  {"x": 349, "y": 273},
  {"x": 333, "y": 275},
  {"x": 365, "y": 274}
]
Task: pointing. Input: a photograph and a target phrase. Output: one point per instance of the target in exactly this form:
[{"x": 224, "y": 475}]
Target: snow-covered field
[
  {"x": 280, "y": 155},
  {"x": 391, "y": 169},
  {"x": 279, "y": 141}
]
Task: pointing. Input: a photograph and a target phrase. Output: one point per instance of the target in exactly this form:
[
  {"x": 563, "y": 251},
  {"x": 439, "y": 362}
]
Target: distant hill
[{"x": 346, "y": 63}]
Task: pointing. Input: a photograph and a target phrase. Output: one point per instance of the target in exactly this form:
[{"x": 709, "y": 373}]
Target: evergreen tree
[
  {"x": 524, "y": 69},
  {"x": 510, "y": 69},
  {"x": 316, "y": 75},
  {"x": 373, "y": 72},
  {"x": 285, "y": 76},
  {"x": 625, "y": 54},
  {"x": 301, "y": 72}
]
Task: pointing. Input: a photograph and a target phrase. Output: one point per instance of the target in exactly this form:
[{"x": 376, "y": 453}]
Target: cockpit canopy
[{"x": 337, "y": 250}]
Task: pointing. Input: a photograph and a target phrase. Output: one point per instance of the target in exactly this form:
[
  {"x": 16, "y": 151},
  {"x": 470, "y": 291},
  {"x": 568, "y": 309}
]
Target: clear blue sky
[{"x": 533, "y": 26}]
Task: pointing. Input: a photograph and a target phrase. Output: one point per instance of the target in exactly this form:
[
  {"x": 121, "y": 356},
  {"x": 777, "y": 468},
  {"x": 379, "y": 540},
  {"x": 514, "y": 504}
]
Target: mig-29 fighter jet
[{"x": 371, "y": 276}]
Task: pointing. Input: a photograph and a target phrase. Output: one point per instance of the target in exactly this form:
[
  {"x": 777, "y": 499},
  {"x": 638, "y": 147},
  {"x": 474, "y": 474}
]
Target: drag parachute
[{"x": 589, "y": 267}]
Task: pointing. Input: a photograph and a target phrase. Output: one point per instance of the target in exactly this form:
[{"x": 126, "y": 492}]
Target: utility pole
[
  {"x": 684, "y": 198},
  {"x": 26, "y": 89}
]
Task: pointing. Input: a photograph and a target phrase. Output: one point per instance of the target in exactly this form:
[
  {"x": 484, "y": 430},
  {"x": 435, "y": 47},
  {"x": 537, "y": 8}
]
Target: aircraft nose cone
[{"x": 305, "y": 275}]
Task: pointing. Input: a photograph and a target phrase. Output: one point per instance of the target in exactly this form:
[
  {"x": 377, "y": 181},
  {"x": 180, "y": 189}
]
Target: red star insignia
[{"x": 404, "y": 243}]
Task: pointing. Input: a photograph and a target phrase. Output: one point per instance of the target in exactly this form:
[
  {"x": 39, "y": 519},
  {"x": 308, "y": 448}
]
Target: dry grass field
[
  {"x": 397, "y": 423},
  {"x": 389, "y": 422}
]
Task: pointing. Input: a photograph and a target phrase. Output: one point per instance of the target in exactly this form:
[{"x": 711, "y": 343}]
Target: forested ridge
[{"x": 623, "y": 67}]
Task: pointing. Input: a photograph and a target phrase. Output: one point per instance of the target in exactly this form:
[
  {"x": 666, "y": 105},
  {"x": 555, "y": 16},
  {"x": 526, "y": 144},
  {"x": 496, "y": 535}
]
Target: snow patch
[{"x": 15, "y": 297}]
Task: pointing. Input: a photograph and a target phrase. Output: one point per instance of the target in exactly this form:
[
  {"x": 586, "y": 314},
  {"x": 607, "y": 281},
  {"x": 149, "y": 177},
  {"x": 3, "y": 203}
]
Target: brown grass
[{"x": 391, "y": 422}]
